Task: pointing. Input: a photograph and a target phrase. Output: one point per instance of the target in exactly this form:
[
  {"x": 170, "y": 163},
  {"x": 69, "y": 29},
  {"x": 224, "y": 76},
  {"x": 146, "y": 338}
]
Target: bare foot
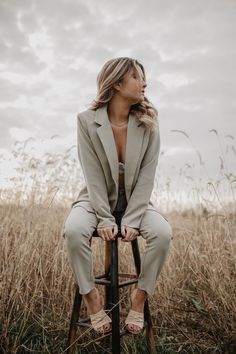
[
  {"x": 138, "y": 297},
  {"x": 93, "y": 304}
]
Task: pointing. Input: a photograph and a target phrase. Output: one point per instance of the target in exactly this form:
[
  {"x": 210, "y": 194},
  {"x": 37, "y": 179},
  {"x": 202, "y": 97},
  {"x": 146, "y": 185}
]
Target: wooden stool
[{"x": 111, "y": 302}]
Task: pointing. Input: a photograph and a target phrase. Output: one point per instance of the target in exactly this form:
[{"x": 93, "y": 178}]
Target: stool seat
[{"x": 113, "y": 280}]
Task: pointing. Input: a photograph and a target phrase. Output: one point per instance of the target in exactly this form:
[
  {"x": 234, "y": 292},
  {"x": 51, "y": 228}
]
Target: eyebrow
[{"x": 135, "y": 71}]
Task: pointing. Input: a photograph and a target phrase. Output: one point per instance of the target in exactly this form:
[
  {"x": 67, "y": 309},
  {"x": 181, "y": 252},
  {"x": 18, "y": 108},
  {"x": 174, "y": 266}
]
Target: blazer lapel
[
  {"x": 134, "y": 141},
  {"x": 105, "y": 134}
]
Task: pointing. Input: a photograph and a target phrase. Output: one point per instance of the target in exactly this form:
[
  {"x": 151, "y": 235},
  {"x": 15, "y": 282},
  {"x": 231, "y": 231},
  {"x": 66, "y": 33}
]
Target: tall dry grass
[{"x": 193, "y": 308}]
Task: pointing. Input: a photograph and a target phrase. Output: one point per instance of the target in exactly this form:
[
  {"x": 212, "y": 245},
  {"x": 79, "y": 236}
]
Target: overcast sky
[{"x": 52, "y": 51}]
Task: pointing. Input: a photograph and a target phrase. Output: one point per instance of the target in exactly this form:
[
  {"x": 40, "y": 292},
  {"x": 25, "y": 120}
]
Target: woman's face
[{"x": 133, "y": 85}]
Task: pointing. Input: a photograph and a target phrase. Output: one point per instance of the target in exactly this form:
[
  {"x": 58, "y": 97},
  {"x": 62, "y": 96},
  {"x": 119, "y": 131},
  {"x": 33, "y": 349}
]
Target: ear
[{"x": 117, "y": 86}]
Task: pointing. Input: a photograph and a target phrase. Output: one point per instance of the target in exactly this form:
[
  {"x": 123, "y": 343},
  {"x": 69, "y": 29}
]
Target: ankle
[
  {"x": 92, "y": 301},
  {"x": 140, "y": 294},
  {"x": 93, "y": 294}
]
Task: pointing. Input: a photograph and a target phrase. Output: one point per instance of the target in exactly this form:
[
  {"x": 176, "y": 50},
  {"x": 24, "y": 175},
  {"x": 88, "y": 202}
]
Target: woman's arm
[
  {"x": 94, "y": 176},
  {"x": 142, "y": 191}
]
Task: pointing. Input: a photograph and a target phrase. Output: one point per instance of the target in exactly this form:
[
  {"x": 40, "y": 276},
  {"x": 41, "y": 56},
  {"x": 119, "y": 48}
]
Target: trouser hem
[
  {"x": 142, "y": 286},
  {"x": 86, "y": 290}
]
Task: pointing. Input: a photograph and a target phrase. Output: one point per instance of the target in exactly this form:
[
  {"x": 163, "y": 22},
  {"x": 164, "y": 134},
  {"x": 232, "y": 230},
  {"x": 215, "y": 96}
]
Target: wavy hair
[{"x": 112, "y": 72}]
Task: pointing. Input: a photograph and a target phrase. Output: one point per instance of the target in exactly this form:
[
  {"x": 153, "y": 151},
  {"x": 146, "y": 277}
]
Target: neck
[{"x": 118, "y": 110}]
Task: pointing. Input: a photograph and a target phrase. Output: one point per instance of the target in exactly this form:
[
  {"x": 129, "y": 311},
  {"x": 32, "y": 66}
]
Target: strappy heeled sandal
[
  {"x": 134, "y": 318},
  {"x": 100, "y": 319}
]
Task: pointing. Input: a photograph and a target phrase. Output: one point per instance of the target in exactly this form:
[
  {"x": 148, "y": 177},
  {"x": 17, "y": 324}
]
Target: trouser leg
[
  {"x": 157, "y": 232},
  {"x": 78, "y": 229}
]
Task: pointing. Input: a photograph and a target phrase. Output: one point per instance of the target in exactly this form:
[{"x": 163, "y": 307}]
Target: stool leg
[
  {"x": 147, "y": 316},
  {"x": 107, "y": 292},
  {"x": 149, "y": 329},
  {"x": 107, "y": 273},
  {"x": 136, "y": 256},
  {"x": 73, "y": 321},
  {"x": 115, "y": 298}
]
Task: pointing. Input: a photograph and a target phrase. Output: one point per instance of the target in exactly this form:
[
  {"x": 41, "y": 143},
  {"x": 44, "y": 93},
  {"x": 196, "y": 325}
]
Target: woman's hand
[
  {"x": 128, "y": 233},
  {"x": 108, "y": 233}
]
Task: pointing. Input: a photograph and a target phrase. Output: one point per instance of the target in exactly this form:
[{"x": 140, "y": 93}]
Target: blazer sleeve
[
  {"x": 142, "y": 191},
  {"x": 94, "y": 176}
]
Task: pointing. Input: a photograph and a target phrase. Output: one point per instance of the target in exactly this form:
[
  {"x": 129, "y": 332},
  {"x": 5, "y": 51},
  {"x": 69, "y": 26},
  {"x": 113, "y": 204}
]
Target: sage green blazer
[{"x": 98, "y": 158}]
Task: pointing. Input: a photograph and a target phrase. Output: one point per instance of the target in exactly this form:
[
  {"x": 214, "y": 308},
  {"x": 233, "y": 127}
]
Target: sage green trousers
[{"x": 79, "y": 227}]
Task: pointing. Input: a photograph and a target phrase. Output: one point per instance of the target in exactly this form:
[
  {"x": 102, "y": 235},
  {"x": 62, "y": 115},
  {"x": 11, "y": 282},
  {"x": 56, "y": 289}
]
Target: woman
[{"x": 118, "y": 149}]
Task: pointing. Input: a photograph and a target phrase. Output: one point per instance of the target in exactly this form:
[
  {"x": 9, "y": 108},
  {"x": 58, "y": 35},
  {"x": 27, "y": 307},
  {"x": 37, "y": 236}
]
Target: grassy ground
[{"x": 193, "y": 308}]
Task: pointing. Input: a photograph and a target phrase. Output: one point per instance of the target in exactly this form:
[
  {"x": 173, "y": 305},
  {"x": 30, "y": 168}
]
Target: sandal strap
[
  {"x": 136, "y": 318},
  {"x": 99, "y": 319}
]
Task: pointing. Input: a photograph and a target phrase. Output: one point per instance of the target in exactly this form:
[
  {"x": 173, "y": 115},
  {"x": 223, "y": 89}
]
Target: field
[{"x": 193, "y": 308}]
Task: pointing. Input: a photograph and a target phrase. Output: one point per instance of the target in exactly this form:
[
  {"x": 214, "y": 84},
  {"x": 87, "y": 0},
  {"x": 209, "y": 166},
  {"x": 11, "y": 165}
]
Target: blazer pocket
[{"x": 86, "y": 205}]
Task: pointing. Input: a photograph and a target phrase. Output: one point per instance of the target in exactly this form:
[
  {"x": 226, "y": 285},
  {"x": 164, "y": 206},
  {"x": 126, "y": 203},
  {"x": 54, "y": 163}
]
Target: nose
[{"x": 144, "y": 84}]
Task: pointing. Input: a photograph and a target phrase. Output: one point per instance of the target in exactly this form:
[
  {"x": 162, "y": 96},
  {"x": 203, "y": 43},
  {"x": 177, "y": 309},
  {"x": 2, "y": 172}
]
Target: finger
[
  {"x": 123, "y": 239},
  {"x": 132, "y": 235},
  {"x": 106, "y": 234},
  {"x": 115, "y": 230},
  {"x": 135, "y": 234},
  {"x": 124, "y": 234},
  {"x": 123, "y": 231},
  {"x": 99, "y": 232},
  {"x": 102, "y": 236},
  {"x": 126, "y": 238},
  {"x": 129, "y": 234},
  {"x": 110, "y": 235}
]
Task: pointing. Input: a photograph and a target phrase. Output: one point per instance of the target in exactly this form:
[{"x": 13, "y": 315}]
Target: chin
[{"x": 141, "y": 100}]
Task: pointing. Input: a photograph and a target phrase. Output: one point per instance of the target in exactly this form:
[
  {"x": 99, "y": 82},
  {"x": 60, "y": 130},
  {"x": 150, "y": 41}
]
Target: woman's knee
[
  {"x": 160, "y": 233},
  {"x": 165, "y": 235},
  {"x": 79, "y": 226},
  {"x": 76, "y": 234}
]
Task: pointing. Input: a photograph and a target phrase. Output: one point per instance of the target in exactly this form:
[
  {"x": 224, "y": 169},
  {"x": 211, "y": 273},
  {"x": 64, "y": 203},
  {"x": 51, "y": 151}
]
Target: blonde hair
[{"x": 112, "y": 72}]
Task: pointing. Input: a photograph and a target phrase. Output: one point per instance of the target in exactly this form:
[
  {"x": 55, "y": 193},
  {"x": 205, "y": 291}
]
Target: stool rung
[
  {"x": 102, "y": 281},
  {"x": 127, "y": 282},
  {"x": 127, "y": 275},
  {"x": 122, "y": 275},
  {"x": 120, "y": 285},
  {"x": 100, "y": 276}
]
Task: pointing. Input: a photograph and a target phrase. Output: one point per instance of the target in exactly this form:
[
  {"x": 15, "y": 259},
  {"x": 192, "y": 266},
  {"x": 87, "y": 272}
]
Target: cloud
[{"x": 52, "y": 52}]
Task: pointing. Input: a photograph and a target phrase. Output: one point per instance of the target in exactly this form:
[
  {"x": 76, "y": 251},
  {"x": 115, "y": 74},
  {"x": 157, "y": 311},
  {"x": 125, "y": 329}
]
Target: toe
[
  {"x": 107, "y": 327},
  {"x": 137, "y": 329},
  {"x": 134, "y": 329}
]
